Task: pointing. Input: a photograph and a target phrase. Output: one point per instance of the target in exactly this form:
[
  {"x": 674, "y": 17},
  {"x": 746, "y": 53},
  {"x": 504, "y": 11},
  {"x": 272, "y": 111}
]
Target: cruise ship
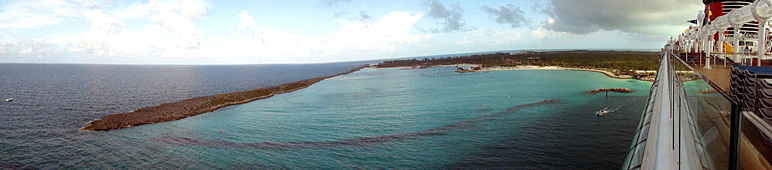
[{"x": 710, "y": 106}]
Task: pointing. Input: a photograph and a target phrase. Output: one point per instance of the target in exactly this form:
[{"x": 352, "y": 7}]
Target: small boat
[
  {"x": 605, "y": 111},
  {"x": 602, "y": 112},
  {"x": 9, "y": 100}
]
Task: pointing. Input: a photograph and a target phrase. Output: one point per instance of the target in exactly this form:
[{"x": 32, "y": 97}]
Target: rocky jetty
[
  {"x": 196, "y": 106},
  {"x": 620, "y": 90}
]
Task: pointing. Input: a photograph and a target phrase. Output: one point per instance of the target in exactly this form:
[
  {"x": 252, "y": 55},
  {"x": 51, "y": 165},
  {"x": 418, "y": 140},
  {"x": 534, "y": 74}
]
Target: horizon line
[{"x": 344, "y": 61}]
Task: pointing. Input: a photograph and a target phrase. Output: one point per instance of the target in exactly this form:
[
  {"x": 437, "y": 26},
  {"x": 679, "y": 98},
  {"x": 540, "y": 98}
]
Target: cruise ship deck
[
  {"x": 710, "y": 106},
  {"x": 753, "y": 144},
  {"x": 719, "y": 75},
  {"x": 693, "y": 120}
]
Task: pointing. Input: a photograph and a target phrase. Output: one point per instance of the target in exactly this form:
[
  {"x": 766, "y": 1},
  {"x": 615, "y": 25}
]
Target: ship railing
[
  {"x": 751, "y": 90},
  {"x": 734, "y": 125},
  {"x": 670, "y": 134}
]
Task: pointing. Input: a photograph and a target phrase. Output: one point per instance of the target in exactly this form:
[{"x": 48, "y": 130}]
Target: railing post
[
  {"x": 736, "y": 43},
  {"x": 734, "y": 135},
  {"x": 762, "y": 41}
]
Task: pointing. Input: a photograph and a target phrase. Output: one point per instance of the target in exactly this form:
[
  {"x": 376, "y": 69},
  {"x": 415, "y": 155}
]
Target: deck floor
[{"x": 718, "y": 74}]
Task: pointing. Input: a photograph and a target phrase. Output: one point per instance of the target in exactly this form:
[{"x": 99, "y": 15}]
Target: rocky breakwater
[
  {"x": 620, "y": 90},
  {"x": 195, "y": 106}
]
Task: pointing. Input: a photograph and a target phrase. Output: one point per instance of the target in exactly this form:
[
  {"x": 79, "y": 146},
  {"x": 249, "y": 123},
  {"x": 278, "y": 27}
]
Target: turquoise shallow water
[
  {"x": 371, "y": 119},
  {"x": 318, "y": 127}
]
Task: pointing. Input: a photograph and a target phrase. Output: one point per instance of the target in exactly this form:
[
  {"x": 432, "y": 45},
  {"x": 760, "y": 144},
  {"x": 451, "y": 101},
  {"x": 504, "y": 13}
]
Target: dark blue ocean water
[
  {"x": 52, "y": 101},
  {"x": 371, "y": 119}
]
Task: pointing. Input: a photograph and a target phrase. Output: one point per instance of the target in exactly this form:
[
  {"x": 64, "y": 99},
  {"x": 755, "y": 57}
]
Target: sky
[{"x": 300, "y": 31}]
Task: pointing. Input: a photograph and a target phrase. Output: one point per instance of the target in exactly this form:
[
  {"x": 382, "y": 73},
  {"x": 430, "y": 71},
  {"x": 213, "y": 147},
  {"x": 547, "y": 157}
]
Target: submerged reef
[{"x": 361, "y": 141}]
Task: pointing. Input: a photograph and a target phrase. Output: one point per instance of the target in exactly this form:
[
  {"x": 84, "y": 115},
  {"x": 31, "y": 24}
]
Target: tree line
[{"x": 618, "y": 61}]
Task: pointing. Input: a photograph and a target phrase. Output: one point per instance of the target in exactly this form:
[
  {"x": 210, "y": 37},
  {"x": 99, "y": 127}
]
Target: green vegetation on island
[{"x": 617, "y": 62}]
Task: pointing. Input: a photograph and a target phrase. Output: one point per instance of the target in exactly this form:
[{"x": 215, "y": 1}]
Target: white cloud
[
  {"x": 548, "y": 21},
  {"x": 37, "y": 14},
  {"x": 539, "y": 33},
  {"x": 246, "y": 20},
  {"x": 26, "y": 47},
  {"x": 384, "y": 35},
  {"x": 388, "y": 34},
  {"x": 132, "y": 11},
  {"x": 173, "y": 34},
  {"x": 266, "y": 40},
  {"x": 192, "y": 8}
]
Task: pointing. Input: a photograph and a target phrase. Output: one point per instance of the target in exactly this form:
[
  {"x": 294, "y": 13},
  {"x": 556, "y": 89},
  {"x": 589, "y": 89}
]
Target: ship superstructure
[{"x": 710, "y": 106}]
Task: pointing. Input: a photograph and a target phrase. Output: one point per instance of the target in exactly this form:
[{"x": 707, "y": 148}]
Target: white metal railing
[
  {"x": 667, "y": 137},
  {"x": 700, "y": 38}
]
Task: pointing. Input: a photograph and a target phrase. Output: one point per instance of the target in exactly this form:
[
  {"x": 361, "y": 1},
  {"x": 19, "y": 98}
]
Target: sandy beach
[
  {"x": 467, "y": 65},
  {"x": 607, "y": 73}
]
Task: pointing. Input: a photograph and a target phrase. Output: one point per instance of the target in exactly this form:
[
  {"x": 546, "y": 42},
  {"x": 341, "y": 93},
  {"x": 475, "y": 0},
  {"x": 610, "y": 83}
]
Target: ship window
[{"x": 742, "y": 43}]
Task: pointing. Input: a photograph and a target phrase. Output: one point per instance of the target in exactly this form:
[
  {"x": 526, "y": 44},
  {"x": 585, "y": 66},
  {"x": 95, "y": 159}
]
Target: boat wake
[
  {"x": 605, "y": 111},
  {"x": 362, "y": 141}
]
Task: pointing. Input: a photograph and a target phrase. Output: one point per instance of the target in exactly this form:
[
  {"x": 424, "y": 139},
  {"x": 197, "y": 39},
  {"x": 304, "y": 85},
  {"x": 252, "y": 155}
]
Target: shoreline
[
  {"x": 614, "y": 64},
  {"x": 607, "y": 73},
  {"x": 199, "y": 105}
]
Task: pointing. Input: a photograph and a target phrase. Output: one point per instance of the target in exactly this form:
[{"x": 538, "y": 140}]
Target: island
[
  {"x": 196, "y": 106},
  {"x": 616, "y": 64},
  {"x": 620, "y": 90},
  {"x": 639, "y": 65}
]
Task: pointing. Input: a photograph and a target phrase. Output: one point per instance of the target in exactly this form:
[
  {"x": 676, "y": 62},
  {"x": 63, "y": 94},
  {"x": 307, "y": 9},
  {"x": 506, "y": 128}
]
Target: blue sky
[{"x": 264, "y": 31}]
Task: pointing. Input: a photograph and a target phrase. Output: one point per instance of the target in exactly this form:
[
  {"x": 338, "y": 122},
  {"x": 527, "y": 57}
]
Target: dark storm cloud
[
  {"x": 452, "y": 18},
  {"x": 508, "y": 14},
  {"x": 645, "y": 17}
]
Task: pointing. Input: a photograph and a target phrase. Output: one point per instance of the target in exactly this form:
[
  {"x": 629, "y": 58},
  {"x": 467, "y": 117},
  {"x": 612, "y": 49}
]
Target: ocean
[{"x": 371, "y": 119}]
